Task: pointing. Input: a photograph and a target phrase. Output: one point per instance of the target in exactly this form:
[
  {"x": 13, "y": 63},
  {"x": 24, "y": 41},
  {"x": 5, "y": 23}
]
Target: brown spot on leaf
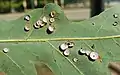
[{"x": 43, "y": 69}]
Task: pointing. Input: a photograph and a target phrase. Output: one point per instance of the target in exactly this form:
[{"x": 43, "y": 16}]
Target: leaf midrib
[{"x": 58, "y": 39}]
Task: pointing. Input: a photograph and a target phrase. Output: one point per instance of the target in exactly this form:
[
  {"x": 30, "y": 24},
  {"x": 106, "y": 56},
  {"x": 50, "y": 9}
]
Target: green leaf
[{"x": 37, "y": 53}]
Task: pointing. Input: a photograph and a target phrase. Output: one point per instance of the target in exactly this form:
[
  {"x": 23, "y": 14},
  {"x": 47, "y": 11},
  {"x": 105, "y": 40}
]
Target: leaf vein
[
  {"x": 66, "y": 58},
  {"x": 14, "y": 63}
]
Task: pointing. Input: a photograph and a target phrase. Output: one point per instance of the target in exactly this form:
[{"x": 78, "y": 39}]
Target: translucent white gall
[
  {"x": 51, "y": 28},
  {"x": 63, "y": 46},
  {"x": 94, "y": 55},
  {"x": 115, "y": 15},
  {"x": 39, "y": 22},
  {"x": 5, "y": 50},
  {"x": 52, "y": 14},
  {"x": 115, "y": 23},
  {"x": 27, "y": 18},
  {"x": 26, "y": 28},
  {"x": 52, "y": 20},
  {"x": 66, "y": 52},
  {"x": 82, "y": 51},
  {"x": 44, "y": 19},
  {"x": 36, "y": 26},
  {"x": 70, "y": 44},
  {"x": 75, "y": 59}
]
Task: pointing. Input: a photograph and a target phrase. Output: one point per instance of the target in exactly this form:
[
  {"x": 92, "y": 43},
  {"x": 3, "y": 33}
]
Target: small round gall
[
  {"x": 115, "y": 23},
  {"x": 50, "y": 29},
  {"x": 63, "y": 47},
  {"x": 66, "y": 52},
  {"x": 5, "y": 50},
  {"x": 115, "y": 15},
  {"x": 94, "y": 55},
  {"x": 26, "y": 28},
  {"x": 27, "y": 18},
  {"x": 39, "y": 22},
  {"x": 52, "y": 14},
  {"x": 75, "y": 59},
  {"x": 70, "y": 44},
  {"x": 52, "y": 20},
  {"x": 44, "y": 19},
  {"x": 36, "y": 26},
  {"x": 81, "y": 51}
]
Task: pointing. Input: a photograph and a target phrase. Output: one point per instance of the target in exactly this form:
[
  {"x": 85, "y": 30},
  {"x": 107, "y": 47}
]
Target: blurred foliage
[
  {"x": 30, "y": 4},
  {"x": 5, "y": 6},
  {"x": 74, "y": 1},
  {"x": 17, "y": 5},
  {"x": 41, "y": 3}
]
